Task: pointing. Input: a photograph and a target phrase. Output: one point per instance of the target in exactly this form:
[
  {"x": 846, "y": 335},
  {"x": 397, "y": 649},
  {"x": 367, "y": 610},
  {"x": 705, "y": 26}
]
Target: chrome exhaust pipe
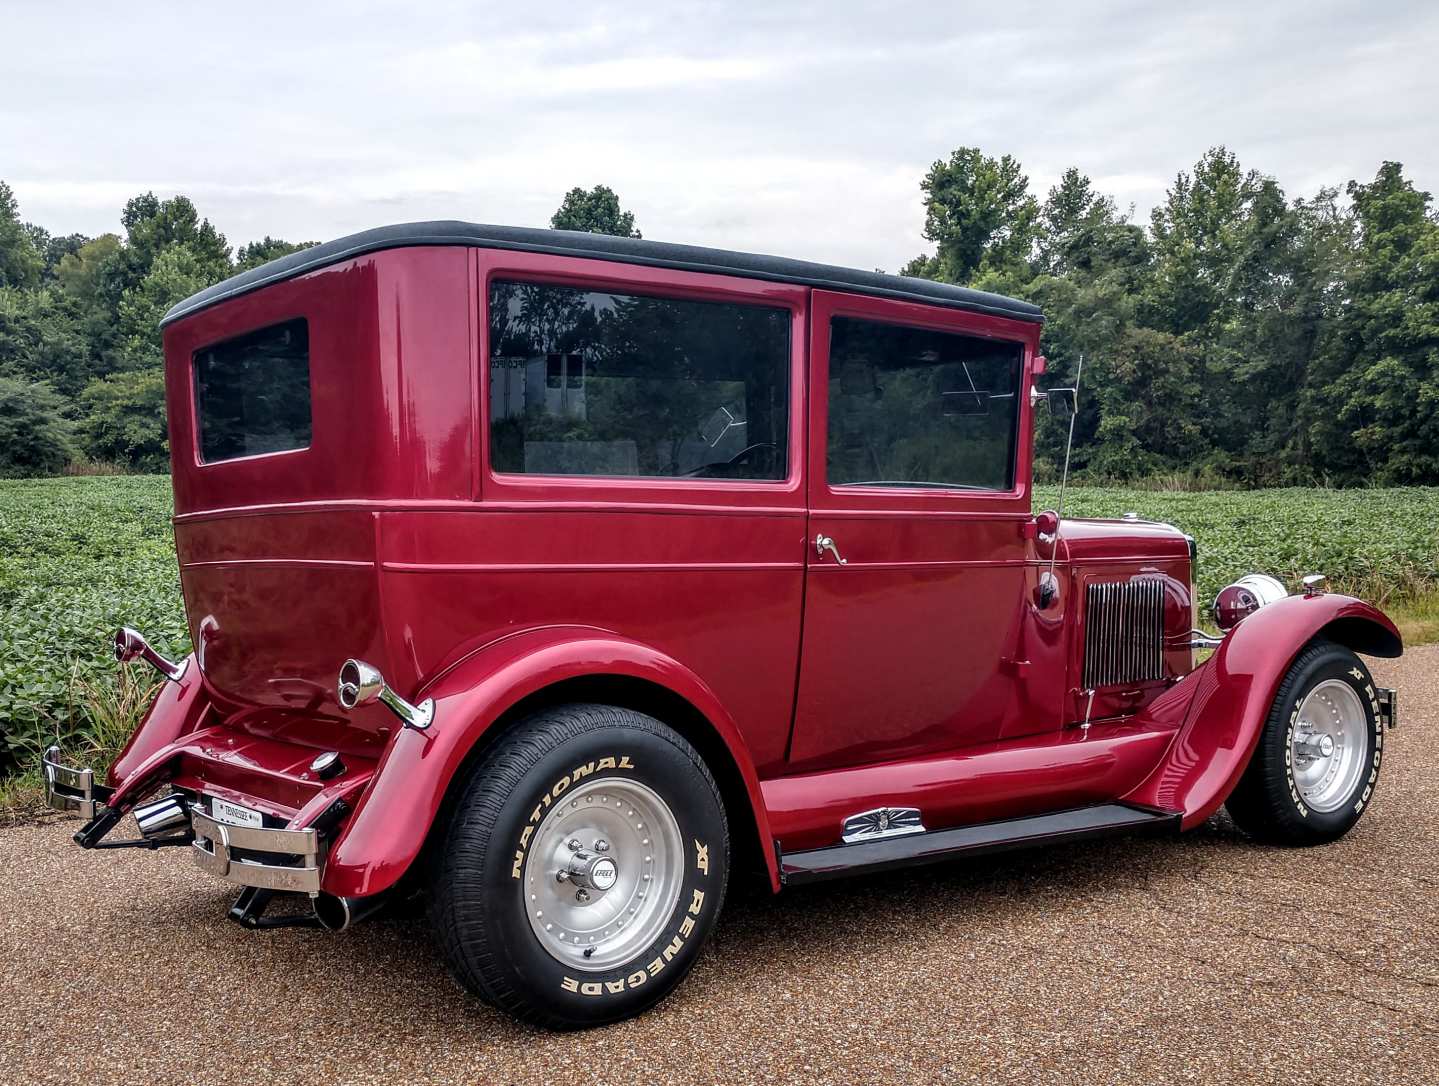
[
  {"x": 340, "y": 913},
  {"x": 162, "y": 817},
  {"x": 361, "y": 684},
  {"x": 130, "y": 645}
]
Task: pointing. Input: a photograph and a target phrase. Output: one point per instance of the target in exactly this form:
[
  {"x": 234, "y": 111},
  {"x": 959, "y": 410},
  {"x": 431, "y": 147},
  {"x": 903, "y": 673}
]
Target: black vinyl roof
[{"x": 657, "y": 254}]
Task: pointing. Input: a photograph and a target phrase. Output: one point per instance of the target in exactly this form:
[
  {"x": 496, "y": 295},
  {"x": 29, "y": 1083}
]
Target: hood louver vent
[{"x": 1123, "y": 633}]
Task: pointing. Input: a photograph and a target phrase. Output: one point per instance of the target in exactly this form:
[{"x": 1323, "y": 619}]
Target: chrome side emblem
[{"x": 881, "y": 822}]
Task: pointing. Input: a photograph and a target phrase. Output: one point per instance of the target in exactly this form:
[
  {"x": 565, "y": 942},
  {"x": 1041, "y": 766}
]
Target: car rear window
[
  {"x": 589, "y": 382},
  {"x": 252, "y": 393}
]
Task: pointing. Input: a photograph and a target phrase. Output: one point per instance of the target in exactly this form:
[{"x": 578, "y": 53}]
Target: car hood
[{"x": 1085, "y": 540}]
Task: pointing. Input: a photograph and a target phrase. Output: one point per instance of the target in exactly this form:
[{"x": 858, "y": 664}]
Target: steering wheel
[{"x": 720, "y": 468}]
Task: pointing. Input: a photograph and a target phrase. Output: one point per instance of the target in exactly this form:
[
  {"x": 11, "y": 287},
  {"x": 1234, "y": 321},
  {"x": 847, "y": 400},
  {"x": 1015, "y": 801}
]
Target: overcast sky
[{"x": 801, "y": 129}]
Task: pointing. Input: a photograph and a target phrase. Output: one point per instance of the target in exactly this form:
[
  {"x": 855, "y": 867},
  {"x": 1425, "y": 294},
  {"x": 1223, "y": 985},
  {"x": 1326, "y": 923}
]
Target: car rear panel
[
  {"x": 277, "y": 547},
  {"x": 276, "y": 603}
]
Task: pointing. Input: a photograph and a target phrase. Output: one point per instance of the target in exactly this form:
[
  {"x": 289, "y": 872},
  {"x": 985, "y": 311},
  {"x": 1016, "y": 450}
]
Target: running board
[{"x": 912, "y": 850}]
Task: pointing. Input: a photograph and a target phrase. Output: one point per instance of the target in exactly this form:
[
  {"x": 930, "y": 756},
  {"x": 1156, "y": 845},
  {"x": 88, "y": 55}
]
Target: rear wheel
[
  {"x": 1317, "y": 761},
  {"x": 583, "y": 867}
]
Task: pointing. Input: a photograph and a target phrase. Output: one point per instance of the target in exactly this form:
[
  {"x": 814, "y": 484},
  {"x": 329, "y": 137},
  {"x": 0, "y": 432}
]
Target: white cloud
[{"x": 800, "y": 129}]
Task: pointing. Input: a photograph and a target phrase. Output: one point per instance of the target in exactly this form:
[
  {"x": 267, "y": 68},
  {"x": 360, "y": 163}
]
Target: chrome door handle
[{"x": 824, "y": 543}]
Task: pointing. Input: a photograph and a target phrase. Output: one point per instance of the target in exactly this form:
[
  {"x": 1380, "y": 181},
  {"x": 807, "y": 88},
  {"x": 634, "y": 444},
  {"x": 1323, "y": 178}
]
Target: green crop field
[{"x": 80, "y": 555}]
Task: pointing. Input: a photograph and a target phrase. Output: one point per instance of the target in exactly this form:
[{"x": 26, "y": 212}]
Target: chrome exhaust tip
[
  {"x": 361, "y": 684},
  {"x": 341, "y": 913},
  {"x": 162, "y": 817},
  {"x": 130, "y": 645}
]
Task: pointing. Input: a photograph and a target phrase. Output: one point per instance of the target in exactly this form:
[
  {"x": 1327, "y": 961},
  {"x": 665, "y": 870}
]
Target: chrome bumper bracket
[
  {"x": 1388, "y": 707},
  {"x": 215, "y": 844}
]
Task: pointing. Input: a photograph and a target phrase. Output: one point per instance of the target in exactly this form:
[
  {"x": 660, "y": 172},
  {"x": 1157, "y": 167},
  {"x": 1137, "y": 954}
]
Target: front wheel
[
  {"x": 584, "y": 866},
  {"x": 1317, "y": 761}
]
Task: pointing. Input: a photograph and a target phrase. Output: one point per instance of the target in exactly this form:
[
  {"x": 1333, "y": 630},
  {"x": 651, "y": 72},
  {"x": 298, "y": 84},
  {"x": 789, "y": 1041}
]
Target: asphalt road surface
[{"x": 1201, "y": 959}]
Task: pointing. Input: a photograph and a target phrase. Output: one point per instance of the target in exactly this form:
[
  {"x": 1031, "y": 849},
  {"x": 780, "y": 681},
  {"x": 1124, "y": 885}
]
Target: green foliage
[
  {"x": 35, "y": 437},
  {"x": 20, "y": 262},
  {"x": 596, "y": 212},
  {"x": 1382, "y": 361},
  {"x": 79, "y": 557},
  {"x": 1377, "y": 543},
  {"x": 981, "y": 214},
  {"x": 79, "y": 272},
  {"x": 262, "y": 252},
  {"x": 1244, "y": 336},
  {"x": 42, "y": 338},
  {"x": 123, "y": 419},
  {"x": 176, "y": 273}
]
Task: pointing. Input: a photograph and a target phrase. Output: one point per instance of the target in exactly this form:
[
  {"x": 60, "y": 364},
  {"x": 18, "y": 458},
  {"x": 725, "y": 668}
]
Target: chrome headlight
[{"x": 1244, "y": 597}]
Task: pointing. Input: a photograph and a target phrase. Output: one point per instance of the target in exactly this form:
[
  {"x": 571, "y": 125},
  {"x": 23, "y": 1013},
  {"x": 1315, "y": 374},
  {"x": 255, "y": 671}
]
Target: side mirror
[{"x": 1062, "y": 402}]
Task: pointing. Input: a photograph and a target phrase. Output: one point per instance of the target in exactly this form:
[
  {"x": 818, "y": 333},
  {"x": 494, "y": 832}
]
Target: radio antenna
[{"x": 1063, "y": 482}]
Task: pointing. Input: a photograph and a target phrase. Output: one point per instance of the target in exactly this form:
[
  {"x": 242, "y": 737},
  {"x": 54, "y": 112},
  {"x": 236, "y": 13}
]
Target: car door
[{"x": 919, "y": 561}]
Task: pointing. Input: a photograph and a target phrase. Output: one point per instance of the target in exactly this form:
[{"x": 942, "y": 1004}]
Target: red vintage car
[{"x": 558, "y": 576}]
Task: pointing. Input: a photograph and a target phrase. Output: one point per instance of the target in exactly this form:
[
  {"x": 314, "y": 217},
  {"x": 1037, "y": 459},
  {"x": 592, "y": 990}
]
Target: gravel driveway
[{"x": 1204, "y": 959}]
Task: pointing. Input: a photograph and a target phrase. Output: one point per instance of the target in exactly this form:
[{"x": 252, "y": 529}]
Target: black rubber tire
[
  {"x": 477, "y": 904},
  {"x": 1266, "y": 804}
]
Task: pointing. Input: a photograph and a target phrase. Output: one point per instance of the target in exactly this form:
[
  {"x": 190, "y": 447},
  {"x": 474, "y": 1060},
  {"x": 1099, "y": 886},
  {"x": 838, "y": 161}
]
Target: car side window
[
  {"x": 917, "y": 407},
  {"x": 591, "y": 382},
  {"x": 252, "y": 393}
]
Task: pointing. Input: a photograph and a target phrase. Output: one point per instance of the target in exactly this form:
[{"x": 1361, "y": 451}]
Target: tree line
[{"x": 1240, "y": 337}]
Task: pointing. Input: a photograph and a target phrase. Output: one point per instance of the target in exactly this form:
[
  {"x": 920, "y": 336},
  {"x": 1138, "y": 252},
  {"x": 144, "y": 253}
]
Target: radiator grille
[{"x": 1123, "y": 632}]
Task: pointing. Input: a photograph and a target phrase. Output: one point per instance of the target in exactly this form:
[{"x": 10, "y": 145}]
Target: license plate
[{"x": 235, "y": 815}]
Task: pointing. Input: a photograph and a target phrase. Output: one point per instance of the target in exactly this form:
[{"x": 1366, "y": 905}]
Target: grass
[
  {"x": 1417, "y": 618},
  {"x": 80, "y": 555}
]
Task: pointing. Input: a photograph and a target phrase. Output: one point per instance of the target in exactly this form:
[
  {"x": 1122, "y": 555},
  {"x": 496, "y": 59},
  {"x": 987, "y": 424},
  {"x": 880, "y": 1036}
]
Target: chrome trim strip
[
  {"x": 221, "y": 838},
  {"x": 881, "y": 822}
]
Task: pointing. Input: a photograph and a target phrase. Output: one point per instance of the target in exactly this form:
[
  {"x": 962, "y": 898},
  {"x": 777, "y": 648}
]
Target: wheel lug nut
[
  {"x": 601, "y": 845},
  {"x": 582, "y": 895},
  {"x": 573, "y": 844}
]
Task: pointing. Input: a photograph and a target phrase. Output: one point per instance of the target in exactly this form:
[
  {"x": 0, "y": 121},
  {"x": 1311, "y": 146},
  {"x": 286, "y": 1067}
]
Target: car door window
[
  {"x": 916, "y": 407},
  {"x": 592, "y": 382}
]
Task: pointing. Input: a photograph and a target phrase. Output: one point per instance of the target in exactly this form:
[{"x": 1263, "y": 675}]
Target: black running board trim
[{"x": 867, "y": 857}]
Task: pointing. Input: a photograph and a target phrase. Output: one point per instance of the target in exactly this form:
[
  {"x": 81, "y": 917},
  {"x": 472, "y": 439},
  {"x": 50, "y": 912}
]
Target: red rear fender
[
  {"x": 1230, "y": 696},
  {"x": 394, "y": 816},
  {"x": 177, "y": 710}
]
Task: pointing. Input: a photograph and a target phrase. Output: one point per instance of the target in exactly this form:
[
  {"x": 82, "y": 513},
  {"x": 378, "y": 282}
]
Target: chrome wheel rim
[
  {"x": 604, "y": 874},
  {"x": 1326, "y": 748}
]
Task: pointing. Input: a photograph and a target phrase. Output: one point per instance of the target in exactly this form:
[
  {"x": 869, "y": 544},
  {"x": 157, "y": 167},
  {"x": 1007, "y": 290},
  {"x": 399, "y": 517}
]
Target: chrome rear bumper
[
  {"x": 1388, "y": 707},
  {"x": 69, "y": 789},
  {"x": 265, "y": 858},
  {"x": 216, "y": 844}
]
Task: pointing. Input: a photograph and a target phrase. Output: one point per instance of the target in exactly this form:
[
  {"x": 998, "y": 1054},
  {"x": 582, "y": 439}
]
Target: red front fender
[
  {"x": 1230, "y": 696},
  {"x": 394, "y": 816}
]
